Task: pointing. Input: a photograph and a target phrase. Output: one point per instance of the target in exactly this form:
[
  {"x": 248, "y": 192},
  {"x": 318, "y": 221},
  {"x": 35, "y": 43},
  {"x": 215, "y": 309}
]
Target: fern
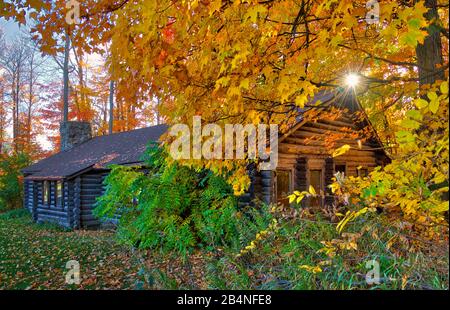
[{"x": 170, "y": 207}]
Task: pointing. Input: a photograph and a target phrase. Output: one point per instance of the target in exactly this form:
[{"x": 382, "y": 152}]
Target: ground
[{"x": 34, "y": 256}]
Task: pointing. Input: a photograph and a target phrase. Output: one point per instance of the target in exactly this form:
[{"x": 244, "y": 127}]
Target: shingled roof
[
  {"x": 99, "y": 152},
  {"x": 128, "y": 147}
]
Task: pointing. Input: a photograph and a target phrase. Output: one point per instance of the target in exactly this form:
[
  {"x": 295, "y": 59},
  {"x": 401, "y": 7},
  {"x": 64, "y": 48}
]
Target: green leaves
[
  {"x": 11, "y": 182},
  {"x": 172, "y": 208},
  {"x": 415, "y": 21}
]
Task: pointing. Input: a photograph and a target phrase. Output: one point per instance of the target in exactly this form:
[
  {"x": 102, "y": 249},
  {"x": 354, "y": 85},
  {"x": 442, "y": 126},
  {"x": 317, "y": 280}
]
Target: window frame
[
  {"x": 341, "y": 164},
  {"x": 291, "y": 182},
  {"x": 46, "y": 192},
  {"x": 59, "y": 201}
]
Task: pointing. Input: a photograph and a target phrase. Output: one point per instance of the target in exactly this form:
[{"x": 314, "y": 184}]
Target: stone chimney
[{"x": 74, "y": 133}]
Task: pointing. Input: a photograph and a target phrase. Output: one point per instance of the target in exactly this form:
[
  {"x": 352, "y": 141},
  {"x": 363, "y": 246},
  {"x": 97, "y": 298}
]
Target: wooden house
[
  {"x": 63, "y": 188},
  {"x": 305, "y": 151}
]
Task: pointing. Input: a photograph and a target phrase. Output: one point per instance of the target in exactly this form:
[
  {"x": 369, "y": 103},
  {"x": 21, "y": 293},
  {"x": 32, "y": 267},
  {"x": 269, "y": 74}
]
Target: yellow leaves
[
  {"x": 415, "y": 21},
  {"x": 224, "y": 81},
  {"x": 444, "y": 88},
  {"x": 342, "y": 150},
  {"x": 336, "y": 40},
  {"x": 329, "y": 249},
  {"x": 434, "y": 102},
  {"x": 233, "y": 92},
  {"x": 301, "y": 100},
  {"x": 312, "y": 269},
  {"x": 421, "y": 103},
  {"x": 289, "y": 85},
  {"x": 298, "y": 196},
  {"x": 410, "y": 123},
  {"x": 350, "y": 216},
  {"x": 285, "y": 89},
  {"x": 273, "y": 226},
  {"x": 441, "y": 207},
  {"x": 239, "y": 180},
  {"x": 244, "y": 84},
  {"x": 241, "y": 52},
  {"x": 413, "y": 37},
  {"x": 215, "y": 6},
  {"x": 334, "y": 187},
  {"x": 254, "y": 11},
  {"x": 293, "y": 197}
]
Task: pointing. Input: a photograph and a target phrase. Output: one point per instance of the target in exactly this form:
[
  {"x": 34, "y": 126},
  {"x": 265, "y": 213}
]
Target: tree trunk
[
  {"x": 111, "y": 106},
  {"x": 66, "y": 78},
  {"x": 429, "y": 54},
  {"x": 30, "y": 99},
  {"x": 16, "y": 131}
]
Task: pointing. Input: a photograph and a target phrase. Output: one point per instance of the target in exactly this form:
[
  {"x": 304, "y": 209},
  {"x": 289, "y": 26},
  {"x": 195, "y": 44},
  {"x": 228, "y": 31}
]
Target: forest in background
[{"x": 32, "y": 104}]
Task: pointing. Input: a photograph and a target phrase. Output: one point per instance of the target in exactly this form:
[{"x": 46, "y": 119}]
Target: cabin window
[
  {"x": 46, "y": 192},
  {"x": 363, "y": 172},
  {"x": 340, "y": 168},
  {"x": 315, "y": 180},
  {"x": 283, "y": 186},
  {"x": 59, "y": 193}
]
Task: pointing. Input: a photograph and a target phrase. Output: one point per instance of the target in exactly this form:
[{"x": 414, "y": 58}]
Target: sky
[{"x": 10, "y": 28}]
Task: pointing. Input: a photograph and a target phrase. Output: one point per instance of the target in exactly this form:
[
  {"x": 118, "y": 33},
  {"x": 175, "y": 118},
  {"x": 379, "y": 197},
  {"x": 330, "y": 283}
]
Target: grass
[
  {"x": 34, "y": 256},
  {"x": 276, "y": 263}
]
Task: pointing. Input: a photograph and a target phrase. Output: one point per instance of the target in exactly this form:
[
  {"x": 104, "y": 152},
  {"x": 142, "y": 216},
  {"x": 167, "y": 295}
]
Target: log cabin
[{"x": 63, "y": 188}]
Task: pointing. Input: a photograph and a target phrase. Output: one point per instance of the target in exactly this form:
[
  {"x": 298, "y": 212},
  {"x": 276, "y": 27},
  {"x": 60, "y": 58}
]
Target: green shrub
[
  {"x": 171, "y": 207},
  {"x": 11, "y": 184},
  {"x": 15, "y": 214}
]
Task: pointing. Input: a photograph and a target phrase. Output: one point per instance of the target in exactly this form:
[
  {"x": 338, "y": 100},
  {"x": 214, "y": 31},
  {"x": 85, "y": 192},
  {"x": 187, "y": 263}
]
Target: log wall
[
  {"x": 91, "y": 187},
  {"x": 48, "y": 212},
  {"x": 305, "y": 149}
]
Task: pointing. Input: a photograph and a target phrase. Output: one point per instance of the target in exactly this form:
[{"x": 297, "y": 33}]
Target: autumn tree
[
  {"x": 256, "y": 61},
  {"x": 13, "y": 60}
]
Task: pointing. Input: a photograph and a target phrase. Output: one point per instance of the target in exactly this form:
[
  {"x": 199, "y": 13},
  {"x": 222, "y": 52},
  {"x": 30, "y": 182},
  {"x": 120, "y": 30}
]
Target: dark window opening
[
  {"x": 340, "y": 168},
  {"x": 284, "y": 186}
]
